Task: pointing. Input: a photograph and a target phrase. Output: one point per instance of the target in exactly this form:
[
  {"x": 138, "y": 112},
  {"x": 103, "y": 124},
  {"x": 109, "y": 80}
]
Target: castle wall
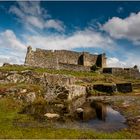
[
  {"x": 67, "y": 57},
  {"x": 62, "y": 59},
  {"x": 73, "y": 67},
  {"x": 89, "y": 59},
  {"x": 41, "y": 58}
]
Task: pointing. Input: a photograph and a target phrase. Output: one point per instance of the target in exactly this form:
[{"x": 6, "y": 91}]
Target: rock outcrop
[{"x": 54, "y": 85}]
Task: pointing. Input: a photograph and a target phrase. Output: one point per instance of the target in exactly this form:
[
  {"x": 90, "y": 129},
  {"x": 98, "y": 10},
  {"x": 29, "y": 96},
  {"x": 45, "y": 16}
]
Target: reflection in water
[
  {"x": 112, "y": 121},
  {"x": 114, "y": 116}
]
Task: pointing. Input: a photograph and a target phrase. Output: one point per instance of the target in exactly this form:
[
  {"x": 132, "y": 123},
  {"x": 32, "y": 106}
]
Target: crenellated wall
[{"x": 63, "y": 59}]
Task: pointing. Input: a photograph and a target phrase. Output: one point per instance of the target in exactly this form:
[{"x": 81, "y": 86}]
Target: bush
[{"x": 94, "y": 67}]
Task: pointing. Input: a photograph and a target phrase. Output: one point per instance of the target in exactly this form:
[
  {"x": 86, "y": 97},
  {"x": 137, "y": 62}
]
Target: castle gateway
[{"x": 63, "y": 59}]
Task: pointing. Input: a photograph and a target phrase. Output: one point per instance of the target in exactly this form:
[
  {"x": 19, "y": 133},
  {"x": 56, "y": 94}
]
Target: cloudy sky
[{"x": 95, "y": 27}]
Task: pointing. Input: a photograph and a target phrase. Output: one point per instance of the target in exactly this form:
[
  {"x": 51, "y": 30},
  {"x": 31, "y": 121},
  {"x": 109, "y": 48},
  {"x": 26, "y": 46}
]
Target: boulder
[
  {"x": 15, "y": 78},
  {"x": 76, "y": 91}
]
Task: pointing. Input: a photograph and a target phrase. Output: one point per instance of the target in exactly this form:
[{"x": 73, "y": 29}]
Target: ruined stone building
[
  {"x": 128, "y": 72},
  {"x": 64, "y": 59}
]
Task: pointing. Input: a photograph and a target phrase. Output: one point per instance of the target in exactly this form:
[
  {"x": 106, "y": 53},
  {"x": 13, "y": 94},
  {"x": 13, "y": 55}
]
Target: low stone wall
[
  {"x": 126, "y": 72},
  {"x": 105, "y": 88},
  {"x": 112, "y": 70},
  {"x": 124, "y": 87},
  {"x": 102, "y": 88},
  {"x": 73, "y": 67},
  {"x": 112, "y": 88}
]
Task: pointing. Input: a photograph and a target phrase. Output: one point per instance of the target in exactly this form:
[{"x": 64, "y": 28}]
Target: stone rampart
[{"x": 63, "y": 59}]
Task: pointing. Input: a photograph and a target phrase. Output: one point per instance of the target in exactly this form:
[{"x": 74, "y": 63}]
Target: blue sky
[{"x": 96, "y": 27}]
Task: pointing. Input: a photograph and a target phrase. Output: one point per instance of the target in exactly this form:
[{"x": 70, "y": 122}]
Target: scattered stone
[
  {"x": 79, "y": 110},
  {"x": 59, "y": 105},
  {"x": 15, "y": 78},
  {"x": 52, "y": 115},
  {"x": 23, "y": 90}
]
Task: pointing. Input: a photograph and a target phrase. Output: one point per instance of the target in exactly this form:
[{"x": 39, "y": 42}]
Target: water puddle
[
  {"x": 114, "y": 121},
  {"x": 95, "y": 116}
]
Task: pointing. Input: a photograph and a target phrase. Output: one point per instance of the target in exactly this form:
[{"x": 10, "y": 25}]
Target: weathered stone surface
[
  {"x": 64, "y": 92},
  {"x": 76, "y": 91},
  {"x": 76, "y": 103},
  {"x": 30, "y": 97},
  {"x": 57, "y": 79},
  {"x": 15, "y": 78},
  {"x": 52, "y": 115},
  {"x": 54, "y": 85}
]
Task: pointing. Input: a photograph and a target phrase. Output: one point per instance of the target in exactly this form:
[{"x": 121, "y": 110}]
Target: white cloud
[
  {"x": 127, "y": 28},
  {"x": 79, "y": 39},
  {"x": 56, "y": 24},
  {"x": 9, "y": 40},
  {"x": 12, "y": 50},
  {"x": 32, "y": 15},
  {"x": 115, "y": 62},
  {"x": 9, "y": 59}
]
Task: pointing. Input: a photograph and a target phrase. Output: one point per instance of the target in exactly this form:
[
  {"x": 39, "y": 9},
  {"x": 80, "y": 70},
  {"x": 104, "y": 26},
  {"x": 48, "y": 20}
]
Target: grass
[
  {"x": 8, "y": 129},
  {"x": 29, "y": 87},
  {"x": 52, "y": 71}
]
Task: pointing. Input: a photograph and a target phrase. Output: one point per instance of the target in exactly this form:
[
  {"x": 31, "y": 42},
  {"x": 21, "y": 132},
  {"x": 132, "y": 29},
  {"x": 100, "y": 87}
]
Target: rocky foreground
[{"x": 63, "y": 96}]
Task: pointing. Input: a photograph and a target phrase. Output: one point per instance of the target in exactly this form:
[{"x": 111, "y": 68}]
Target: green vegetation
[
  {"x": 14, "y": 125},
  {"x": 95, "y": 68},
  {"x": 29, "y": 87},
  {"x": 93, "y": 76},
  {"x": 52, "y": 71}
]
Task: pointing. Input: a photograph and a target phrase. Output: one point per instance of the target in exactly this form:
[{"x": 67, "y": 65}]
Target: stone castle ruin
[{"x": 64, "y": 59}]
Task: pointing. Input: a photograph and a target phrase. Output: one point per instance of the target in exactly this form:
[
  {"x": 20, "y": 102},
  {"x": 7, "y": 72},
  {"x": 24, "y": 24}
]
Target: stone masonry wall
[
  {"x": 73, "y": 67},
  {"x": 58, "y": 59},
  {"x": 127, "y": 72}
]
